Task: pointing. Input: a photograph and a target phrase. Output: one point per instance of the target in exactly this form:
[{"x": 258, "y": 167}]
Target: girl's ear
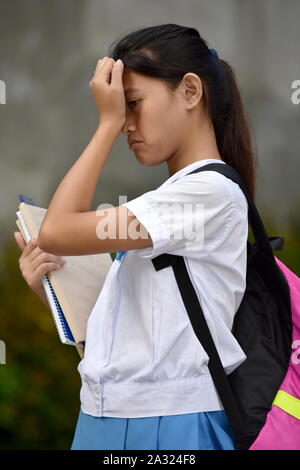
[{"x": 192, "y": 89}]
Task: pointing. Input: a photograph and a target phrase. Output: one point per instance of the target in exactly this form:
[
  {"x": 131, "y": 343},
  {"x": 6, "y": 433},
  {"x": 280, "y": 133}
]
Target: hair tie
[{"x": 214, "y": 53}]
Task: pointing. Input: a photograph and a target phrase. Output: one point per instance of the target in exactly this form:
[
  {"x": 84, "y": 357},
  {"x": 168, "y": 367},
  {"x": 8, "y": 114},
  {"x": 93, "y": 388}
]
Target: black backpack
[{"x": 262, "y": 326}]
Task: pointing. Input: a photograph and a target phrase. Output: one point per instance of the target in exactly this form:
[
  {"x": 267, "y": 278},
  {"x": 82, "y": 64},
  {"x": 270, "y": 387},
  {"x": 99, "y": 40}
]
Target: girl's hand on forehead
[{"x": 108, "y": 92}]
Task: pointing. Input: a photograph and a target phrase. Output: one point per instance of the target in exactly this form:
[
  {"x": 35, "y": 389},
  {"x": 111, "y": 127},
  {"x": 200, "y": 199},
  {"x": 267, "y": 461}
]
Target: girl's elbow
[{"x": 46, "y": 241}]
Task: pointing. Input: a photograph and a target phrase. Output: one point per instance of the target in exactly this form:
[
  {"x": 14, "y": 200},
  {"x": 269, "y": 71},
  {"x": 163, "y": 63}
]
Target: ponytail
[{"x": 233, "y": 133}]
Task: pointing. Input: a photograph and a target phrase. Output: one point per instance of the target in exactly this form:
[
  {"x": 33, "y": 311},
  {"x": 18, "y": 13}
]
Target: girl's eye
[{"x": 130, "y": 103}]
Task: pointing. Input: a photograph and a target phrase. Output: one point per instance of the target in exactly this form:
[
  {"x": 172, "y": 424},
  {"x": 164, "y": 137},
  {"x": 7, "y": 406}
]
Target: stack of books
[{"x": 73, "y": 290}]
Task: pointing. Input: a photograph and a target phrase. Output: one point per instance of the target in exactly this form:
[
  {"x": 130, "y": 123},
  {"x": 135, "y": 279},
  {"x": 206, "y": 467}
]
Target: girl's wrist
[
  {"x": 42, "y": 295},
  {"x": 110, "y": 126}
]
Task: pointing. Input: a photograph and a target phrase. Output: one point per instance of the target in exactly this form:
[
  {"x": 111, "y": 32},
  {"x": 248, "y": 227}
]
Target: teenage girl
[{"x": 145, "y": 377}]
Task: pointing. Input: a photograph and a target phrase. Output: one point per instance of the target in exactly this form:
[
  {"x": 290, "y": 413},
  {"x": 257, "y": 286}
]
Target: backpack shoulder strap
[{"x": 255, "y": 221}]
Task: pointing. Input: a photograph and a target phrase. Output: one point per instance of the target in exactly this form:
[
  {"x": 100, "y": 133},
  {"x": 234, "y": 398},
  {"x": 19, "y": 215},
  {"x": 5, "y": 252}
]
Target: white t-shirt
[{"x": 142, "y": 356}]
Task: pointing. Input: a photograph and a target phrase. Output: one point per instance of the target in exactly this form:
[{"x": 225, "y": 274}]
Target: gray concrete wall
[{"x": 48, "y": 52}]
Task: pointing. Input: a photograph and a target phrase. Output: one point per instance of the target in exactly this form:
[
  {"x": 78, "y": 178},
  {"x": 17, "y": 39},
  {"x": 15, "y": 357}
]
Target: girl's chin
[{"x": 147, "y": 161}]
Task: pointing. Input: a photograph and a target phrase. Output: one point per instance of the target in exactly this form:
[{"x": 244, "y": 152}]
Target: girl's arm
[{"x": 69, "y": 226}]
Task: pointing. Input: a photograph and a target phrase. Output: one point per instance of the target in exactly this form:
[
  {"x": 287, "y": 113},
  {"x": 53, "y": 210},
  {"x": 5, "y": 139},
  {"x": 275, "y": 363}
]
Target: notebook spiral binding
[{"x": 64, "y": 324}]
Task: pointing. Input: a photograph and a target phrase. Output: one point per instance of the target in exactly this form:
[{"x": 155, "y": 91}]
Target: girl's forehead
[{"x": 133, "y": 81}]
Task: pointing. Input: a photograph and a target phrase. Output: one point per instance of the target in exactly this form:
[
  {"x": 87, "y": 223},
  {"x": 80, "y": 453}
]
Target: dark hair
[{"x": 168, "y": 52}]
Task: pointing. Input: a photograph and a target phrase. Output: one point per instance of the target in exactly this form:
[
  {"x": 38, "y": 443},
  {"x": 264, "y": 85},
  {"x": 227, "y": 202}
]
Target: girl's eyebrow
[{"x": 131, "y": 89}]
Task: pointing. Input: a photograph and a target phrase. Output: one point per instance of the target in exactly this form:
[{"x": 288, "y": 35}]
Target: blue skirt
[{"x": 209, "y": 430}]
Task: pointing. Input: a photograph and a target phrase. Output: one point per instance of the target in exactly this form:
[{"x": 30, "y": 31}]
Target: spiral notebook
[{"x": 73, "y": 290}]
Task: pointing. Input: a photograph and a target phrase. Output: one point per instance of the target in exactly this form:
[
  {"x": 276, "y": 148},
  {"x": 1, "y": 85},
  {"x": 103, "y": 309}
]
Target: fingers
[
  {"x": 107, "y": 70},
  {"x": 20, "y": 240},
  {"x": 98, "y": 66},
  {"x": 46, "y": 258},
  {"x": 29, "y": 248},
  {"x": 31, "y": 252},
  {"x": 117, "y": 72},
  {"x": 109, "y": 67},
  {"x": 36, "y": 264},
  {"x": 101, "y": 65},
  {"x": 35, "y": 278}
]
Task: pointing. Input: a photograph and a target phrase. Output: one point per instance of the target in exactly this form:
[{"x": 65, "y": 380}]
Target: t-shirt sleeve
[{"x": 189, "y": 217}]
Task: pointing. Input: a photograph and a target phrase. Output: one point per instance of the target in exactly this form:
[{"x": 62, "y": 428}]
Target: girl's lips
[{"x": 132, "y": 146}]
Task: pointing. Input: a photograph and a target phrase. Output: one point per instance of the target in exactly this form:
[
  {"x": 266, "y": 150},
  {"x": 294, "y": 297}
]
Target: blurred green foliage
[
  {"x": 290, "y": 231},
  {"x": 40, "y": 384}
]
